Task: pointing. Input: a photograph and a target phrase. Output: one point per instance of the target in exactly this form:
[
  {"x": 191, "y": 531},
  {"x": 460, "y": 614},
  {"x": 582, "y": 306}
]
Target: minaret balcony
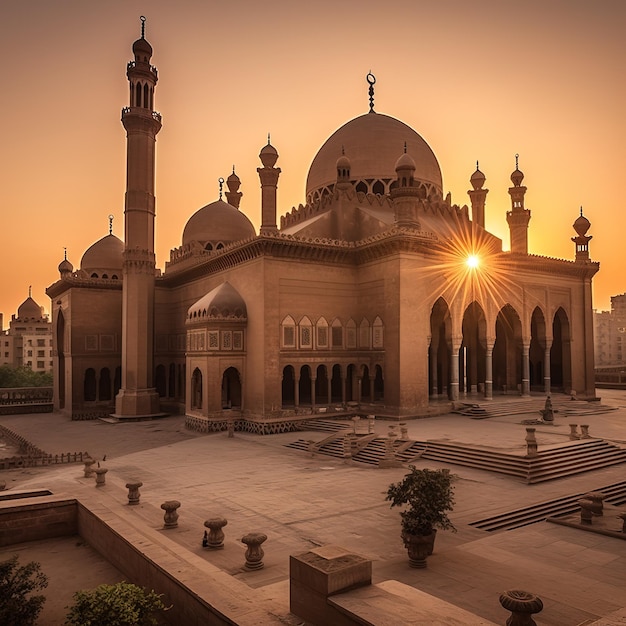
[
  {"x": 142, "y": 67},
  {"x": 141, "y": 111}
]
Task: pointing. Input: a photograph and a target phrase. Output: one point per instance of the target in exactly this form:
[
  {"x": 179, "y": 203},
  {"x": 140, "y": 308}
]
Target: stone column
[
  {"x": 296, "y": 390},
  {"x": 546, "y": 366},
  {"x": 313, "y": 381},
  {"x": 329, "y": 380},
  {"x": 489, "y": 370},
  {"x": 88, "y": 470},
  {"x": 454, "y": 369},
  {"x": 531, "y": 442},
  {"x": 100, "y": 476},
  {"x": 343, "y": 388},
  {"x": 526, "y": 369}
]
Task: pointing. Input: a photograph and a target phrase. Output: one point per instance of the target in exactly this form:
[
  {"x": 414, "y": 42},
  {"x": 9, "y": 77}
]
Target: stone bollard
[
  {"x": 584, "y": 431},
  {"x": 215, "y": 540},
  {"x": 231, "y": 427},
  {"x": 573, "y": 432},
  {"x": 355, "y": 422},
  {"x": 586, "y": 513},
  {"x": 254, "y": 553},
  {"x": 597, "y": 501},
  {"x": 531, "y": 442},
  {"x": 522, "y": 605},
  {"x": 347, "y": 447},
  {"x": 370, "y": 424},
  {"x": 404, "y": 431},
  {"x": 100, "y": 476},
  {"x": 170, "y": 518},
  {"x": 88, "y": 469},
  {"x": 133, "y": 491}
]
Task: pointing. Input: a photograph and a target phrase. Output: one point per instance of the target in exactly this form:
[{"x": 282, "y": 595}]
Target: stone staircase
[
  {"x": 558, "y": 461},
  {"x": 614, "y": 494},
  {"x": 562, "y": 405}
]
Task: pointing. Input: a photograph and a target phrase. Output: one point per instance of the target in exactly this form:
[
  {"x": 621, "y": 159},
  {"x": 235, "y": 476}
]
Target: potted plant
[{"x": 429, "y": 494}]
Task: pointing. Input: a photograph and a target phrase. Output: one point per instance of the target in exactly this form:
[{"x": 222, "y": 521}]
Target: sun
[{"x": 472, "y": 261}]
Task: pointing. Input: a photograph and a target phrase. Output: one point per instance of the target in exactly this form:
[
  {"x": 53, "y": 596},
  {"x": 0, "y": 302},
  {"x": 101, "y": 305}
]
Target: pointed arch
[
  {"x": 104, "y": 385},
  {"x": 365, "y": 336},
  {"x": 336, "y": 385},
  {"x": 304, "y": 385},
  {"x": 337, "y": 333},
  {"x": 321, "y": 385},
  {"x": 288, "y": 332},
  {"x": 472, "y": 356},
  {"x": 321, "y": 333},
  {"x": 439, "y": 352},
  {"x": 379, "y": 384},
  {"x": 89, "y": 385},
  {"x": 560, "y": 353},
  {"x": 231, "y": 389},
  {"x": 305, "y": 332},
  {"x": 60, "y": 346},
  {"x": 159, "y": 380},
  {"x": 196, "y": 389},
  {"x": 288, "y": 386},
  {"x": 351, "y": 334},
  {"x": 507, "y": 350},
  {"x": 537, "y": 351}
]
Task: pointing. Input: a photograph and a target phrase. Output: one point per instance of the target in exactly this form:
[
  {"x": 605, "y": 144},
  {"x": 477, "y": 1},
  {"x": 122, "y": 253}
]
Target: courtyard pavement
[{"x": 302, "y": 501}]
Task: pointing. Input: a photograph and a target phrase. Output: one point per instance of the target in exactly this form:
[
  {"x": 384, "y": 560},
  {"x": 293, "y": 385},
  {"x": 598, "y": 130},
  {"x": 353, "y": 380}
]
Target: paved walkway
[{"x": 301, "y": 501}]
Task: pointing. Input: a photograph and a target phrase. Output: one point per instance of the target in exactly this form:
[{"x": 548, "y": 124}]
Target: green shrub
[
  {"x": 122, "y": 604},
  {"x": 17, "y": 606}
]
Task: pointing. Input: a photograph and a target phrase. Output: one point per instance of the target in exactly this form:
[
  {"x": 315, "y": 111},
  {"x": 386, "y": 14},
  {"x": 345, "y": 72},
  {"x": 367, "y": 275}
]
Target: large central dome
[{"x": 372, "y": 142}]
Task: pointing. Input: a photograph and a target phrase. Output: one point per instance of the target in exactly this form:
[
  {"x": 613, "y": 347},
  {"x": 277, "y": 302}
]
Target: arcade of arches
[{"x": 496, "y": 356}]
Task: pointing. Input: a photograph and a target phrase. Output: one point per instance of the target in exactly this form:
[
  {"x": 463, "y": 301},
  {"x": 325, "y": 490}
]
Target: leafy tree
[
  {"x": 122, "y": 604},
  {"x": 23, "y": 377},
  {"x": 17, "y": 606}
]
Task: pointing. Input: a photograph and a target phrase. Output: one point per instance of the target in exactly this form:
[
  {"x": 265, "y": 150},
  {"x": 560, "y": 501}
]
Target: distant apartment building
[
  {"x": 28, "y": 340},
  {"x": 610, "y": 333}
]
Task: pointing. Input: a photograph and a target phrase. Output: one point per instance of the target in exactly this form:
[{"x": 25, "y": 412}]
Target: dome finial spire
[
  {"x": 517, "y": 161},
  {"x": 143, "y": 26},
  {"x": 220, "y": 180},
  {"x": 111, "y": 224},
  {"x": 30, "y": 291},
  {"x": 371, "y": 80},
  {"x": 65, "y": 253}
]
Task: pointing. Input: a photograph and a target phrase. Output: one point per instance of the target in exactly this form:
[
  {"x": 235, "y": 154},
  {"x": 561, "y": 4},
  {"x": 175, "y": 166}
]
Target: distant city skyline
[{"x": 479, "y": 82}]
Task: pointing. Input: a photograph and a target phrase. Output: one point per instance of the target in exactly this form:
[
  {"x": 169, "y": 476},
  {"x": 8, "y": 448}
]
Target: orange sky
[{"x": 478, "y": 80}]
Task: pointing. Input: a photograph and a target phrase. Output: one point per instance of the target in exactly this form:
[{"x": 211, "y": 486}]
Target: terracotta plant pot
[{"x": 418, "y": 547}]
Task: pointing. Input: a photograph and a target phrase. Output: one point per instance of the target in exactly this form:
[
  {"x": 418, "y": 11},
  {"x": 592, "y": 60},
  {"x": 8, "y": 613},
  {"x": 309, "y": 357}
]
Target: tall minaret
[
  {"x": 518, "y": 217},
  {"x": 137, "y": 396},
  {"x": 478, "y": 195}
]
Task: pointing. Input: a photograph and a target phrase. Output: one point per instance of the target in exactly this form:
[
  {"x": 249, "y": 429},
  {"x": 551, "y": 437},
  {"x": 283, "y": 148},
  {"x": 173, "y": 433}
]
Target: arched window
[
  {"x": 306, "y": 333},
  {"x": 365, "y": 339},
  {"x": 362, "y": 187},
  {"x": 378, "y": 333},
  {"x": 288, "y": 332},
  {"x": 336, "y": 334},
  {"x": 351, "y": 334},
  {"x": 379, "y": 188},
  {"x": 321, "y": 333},
  {"x": 159, "y": 380}
]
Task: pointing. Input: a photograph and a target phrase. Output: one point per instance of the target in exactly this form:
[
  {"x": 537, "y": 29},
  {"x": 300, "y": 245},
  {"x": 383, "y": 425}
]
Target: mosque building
[{"x": 378, "y": 292}]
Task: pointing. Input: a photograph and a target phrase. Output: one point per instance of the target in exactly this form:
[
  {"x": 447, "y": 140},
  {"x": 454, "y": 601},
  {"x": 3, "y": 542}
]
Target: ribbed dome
[
  {"x": 104, "y": 257},
  {"x": 373, "y": 142},
  {"x": 222, "y": 302},
  {"x": 29, "y": 309},
  {"x": 218, "y": 222},
  {"x": 141, "y": 49}
]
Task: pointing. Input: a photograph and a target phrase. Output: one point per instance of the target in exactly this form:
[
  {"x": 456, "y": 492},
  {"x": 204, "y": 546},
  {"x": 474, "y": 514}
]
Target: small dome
[
  {"x": 517, "y": 177},
  {"x": 29, "y": 309},
  {"x": 343, "y": 162},
  {"x": 104, "y": 257},
  {"x": 268, "y": 155},
  {"x": 581, "y": 225},
  {"x": 142, "y": 49},
  {"x": 477, "y": 179},
  {"x": 233, "y": 182},
  {"x": 222, "y": 302},
  {"x": 217, "y": 222},
  {"x": 65, "y": 267},
  {"x": 405, "y": 162}
]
